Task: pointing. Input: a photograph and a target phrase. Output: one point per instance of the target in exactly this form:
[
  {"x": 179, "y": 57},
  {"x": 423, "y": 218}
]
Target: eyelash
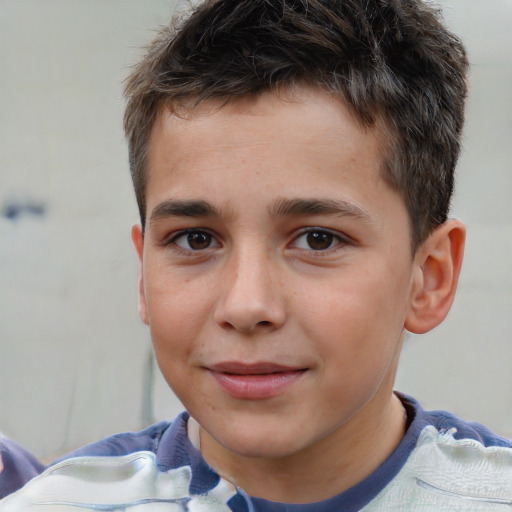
[
  {"x": 335, "y": 238},
  {"x": 176, "y": 236},
  {"x": 336, "y": 241}
]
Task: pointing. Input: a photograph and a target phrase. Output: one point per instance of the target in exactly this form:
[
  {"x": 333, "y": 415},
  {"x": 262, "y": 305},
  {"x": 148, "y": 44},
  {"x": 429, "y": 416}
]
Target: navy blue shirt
[{"x": 443, "y": 464}]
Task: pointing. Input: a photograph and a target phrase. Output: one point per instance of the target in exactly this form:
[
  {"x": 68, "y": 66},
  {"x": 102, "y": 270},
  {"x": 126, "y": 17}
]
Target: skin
[{"x": 248, "y": 284}]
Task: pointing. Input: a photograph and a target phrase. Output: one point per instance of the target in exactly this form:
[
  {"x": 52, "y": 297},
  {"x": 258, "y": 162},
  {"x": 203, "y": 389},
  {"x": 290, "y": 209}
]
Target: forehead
[
  {"x": 274, "y": 145},
  {"x": 321, "y": 109}
]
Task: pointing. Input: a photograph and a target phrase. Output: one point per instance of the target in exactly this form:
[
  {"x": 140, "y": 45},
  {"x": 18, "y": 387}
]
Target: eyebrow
[
  {"x": 182, "y": 208},
  {"x": 313, "y": 206},
  {"x": 281, "y": 208}
]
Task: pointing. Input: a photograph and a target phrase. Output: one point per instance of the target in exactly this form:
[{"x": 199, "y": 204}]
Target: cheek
[
  {"x": 176, "y": 319},
  {"x": 178, "y": 310},
  {"x": 355, "y": 323}
]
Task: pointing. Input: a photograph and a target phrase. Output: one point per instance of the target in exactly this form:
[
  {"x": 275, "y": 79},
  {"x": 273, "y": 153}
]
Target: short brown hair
[{"x": 388, "y": 59}]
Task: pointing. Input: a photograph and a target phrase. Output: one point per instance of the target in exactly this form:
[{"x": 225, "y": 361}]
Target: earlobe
[
  {"x": 437, "y": 267},
  {"x": 138, "y": 243}
]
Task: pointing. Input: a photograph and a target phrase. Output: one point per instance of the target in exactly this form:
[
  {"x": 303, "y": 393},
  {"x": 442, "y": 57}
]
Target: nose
[{"x": 252, "y": 297}]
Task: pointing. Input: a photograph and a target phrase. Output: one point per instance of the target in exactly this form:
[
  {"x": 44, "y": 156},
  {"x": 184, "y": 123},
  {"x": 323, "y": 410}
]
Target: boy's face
[{"x": 276, "y": 270}]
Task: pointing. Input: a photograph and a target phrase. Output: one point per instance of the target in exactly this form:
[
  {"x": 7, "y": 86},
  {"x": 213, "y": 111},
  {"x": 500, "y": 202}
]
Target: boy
[{"x": 293, "y": 164}]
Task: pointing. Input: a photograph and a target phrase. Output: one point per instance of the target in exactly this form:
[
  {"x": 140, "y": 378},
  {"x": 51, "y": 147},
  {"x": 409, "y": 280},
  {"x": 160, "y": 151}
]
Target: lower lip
[{"x": 257, "y": 387}]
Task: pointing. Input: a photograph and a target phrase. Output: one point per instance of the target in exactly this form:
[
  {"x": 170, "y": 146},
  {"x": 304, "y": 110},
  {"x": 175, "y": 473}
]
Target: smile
[{"x": 255, "y": 381}]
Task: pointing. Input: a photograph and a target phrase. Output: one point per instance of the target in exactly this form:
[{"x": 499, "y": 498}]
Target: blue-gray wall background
[{"x": 75, "y": 361}]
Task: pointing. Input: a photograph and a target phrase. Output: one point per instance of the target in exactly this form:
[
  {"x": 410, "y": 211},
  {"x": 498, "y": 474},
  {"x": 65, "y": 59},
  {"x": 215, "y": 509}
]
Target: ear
[
  {"x": 437, "y": 267},
  {"x": 138, "y": 242}
]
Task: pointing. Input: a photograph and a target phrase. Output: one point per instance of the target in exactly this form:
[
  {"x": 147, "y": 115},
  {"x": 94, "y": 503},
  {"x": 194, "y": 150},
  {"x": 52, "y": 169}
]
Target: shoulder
[
  {"x": 453, "y": 465},
  {"x": 124, "y": 443},
  {"x": 17, "y": 466},
  {"x": 152, "y": 468},
  {"x": 447, "y": 422},
  {"x": 462, "y": 429}
]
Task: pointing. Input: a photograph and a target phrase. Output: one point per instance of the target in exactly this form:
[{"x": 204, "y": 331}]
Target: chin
[
  {"x": 262, "y": 449},
  {"x": 264, "y": 444}
]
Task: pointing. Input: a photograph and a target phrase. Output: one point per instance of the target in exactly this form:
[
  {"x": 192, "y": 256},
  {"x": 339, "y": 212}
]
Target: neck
[{"x": 332, "y": 465}]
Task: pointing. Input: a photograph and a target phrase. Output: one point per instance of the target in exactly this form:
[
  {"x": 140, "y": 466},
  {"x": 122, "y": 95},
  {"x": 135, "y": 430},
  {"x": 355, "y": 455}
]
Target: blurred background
[{"x": 75, "y": 360}]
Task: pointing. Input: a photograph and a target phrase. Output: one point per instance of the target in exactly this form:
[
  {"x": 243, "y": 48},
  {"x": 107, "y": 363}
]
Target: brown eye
[
  {"x": 319, "y": 240},
  {"x": 199, "y": 240},
  {"x": 195, "y": 240}
]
